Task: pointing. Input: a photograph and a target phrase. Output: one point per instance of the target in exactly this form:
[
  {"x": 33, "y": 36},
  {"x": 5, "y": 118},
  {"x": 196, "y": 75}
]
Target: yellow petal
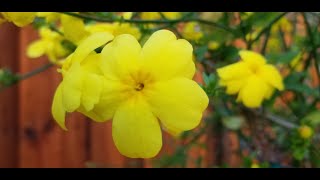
[
  {"x": 19, "y": 18},
  {"x": 252, "y": 58},
  {"x": 269, "y": 92},
  {"x": 166, "y": 57},
  {"x": 90, "y": 44},
  {"x": 234, "y": 71},
  {"x": 58, "y": 111},
  {"x": 234, "y": 86},
  {"x": 91, "y": 90},
  {"x": 272, "y": 76},
  {"x": 73, "y": 28},
  {"x": 36, "y": 49},
  {"x": 253, "y": 93},
  {"x": 127, "y": 15},
  {"x": 136, "y": 131},
  {"x": 111, "y": 97},
  {"x": 178, "y": 103},
  {"x": 72, "y": 86},
  {"x": 120, "y": 57},
  {"x": 91, "y": 63}
]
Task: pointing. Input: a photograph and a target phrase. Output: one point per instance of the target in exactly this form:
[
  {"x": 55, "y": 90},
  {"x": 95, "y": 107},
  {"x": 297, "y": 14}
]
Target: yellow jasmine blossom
[
  {"x": 50, "y": 16},
  {"x": 213, "y": 45},
  {"x": 19, "y": 18},
  {"x": 255, "y": 165},
  {"x": 251, "y": 78},
  {"x": 49, "y": 44},
  {"x": 82, "y": 82},
  {"x": 284, "y": 24},
  {"x": 156, "y": 15},
  {"x": 73, "y": 28},
  {"x": 211, "y": 16},
  {"x": 192, "y": 31},
  {"x": 144, "y": 89},
  {"x": 114, "y": 28},
  {"x": 305, "y": 131}
]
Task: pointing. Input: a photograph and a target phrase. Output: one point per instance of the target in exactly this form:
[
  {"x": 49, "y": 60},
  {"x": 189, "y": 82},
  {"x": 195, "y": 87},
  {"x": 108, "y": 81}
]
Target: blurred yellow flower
[
  {"x": 192, "y": 31},
  {"x": 305, "y": 131},
  {"x": 213, "y": 45},
  {"x": 252, "y": 78},
  {"x": 136, "y": 92},
  {"x": 114, "y": 28},
  {"x": 73, "y": 28},
  {"x": 49, "y": 44},
  {"x": 284, "y": 24},
  {"x": 19, "y": 18},
  {"x": 49, "y": 16},
  {"x": 255, "y": 165},
  {"x": 157, "y": 15}
]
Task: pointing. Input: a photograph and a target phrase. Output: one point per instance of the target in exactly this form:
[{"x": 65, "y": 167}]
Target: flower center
[{"x": 139, "y": 86}]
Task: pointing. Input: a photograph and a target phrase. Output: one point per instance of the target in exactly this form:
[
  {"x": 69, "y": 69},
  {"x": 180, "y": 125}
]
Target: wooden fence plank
[
  {"x": 103, "y": 150},
  {"x": 43, "y": 142},
  {"x": 9, "y": 54}
]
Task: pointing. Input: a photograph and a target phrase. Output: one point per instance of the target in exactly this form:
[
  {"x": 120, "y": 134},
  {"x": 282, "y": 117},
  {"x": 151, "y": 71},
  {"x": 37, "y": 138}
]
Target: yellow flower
[
  {"x": 114, "y": 28},
  {"x": 73, "y": 28},
  {"x": 213, "y": 45},
  {"x": 252, "y": 78},
  {"x": 156, "y": 15},
  {"x": 19, "y": 18},
  {"x": 211, "y": 16},
  {"x": 143, "y": 88},
  {"x": 49, "y": 16},
  {"x": 49, "y": 44},
  {"x": 255, "y": 165},
  {"x": 305, "y": 131},
  {"x": 82, "y": 81},
  {"x": 284, "y": 24},
  {"x": 192, "y": 31}
]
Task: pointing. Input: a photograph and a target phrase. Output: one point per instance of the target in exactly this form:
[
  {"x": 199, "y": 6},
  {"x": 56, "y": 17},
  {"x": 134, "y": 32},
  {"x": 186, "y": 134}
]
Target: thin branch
[
  {"x": 313, "y": 44},
  {"x": 280, "y": 121},
  {"x": 265, "y": 43},
  {"x": 35, "y": 71},
  {"x": 265, "y": 29},
  {"x": 155, "y": 21},
  {"x": 28, "y": 75}
]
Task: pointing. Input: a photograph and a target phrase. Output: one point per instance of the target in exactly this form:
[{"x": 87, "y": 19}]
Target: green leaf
[
  {"x": 312, "y": 118},
  {"x": 200, "y": 52}
]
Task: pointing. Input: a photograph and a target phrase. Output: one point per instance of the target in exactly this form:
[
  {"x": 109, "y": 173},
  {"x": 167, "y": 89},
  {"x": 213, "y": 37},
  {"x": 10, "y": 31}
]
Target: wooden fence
[{"x": 29, "y": 137}]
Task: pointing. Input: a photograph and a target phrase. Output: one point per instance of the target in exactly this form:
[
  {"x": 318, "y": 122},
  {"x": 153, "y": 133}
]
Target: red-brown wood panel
[
  {"x": 43, "y": 143},
  {"x": 9, "y": 54}
]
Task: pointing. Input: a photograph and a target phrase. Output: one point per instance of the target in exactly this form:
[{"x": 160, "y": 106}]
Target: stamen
[{"x": 139, "y": 87}]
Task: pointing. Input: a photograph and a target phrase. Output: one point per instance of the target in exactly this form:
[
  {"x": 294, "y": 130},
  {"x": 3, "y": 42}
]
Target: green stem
[
  {"x": 162, "y": 21},
  {"x": 35, "y": 71},
  {"x": 28, "y": 75}
]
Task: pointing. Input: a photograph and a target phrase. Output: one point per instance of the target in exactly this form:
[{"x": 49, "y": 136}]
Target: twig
[
  {"x": 266, "y": 28},
  {"x": 28, "y": 75},
  {"x": 155, "y": 21},
  {"x": 313, "y": 44}
]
